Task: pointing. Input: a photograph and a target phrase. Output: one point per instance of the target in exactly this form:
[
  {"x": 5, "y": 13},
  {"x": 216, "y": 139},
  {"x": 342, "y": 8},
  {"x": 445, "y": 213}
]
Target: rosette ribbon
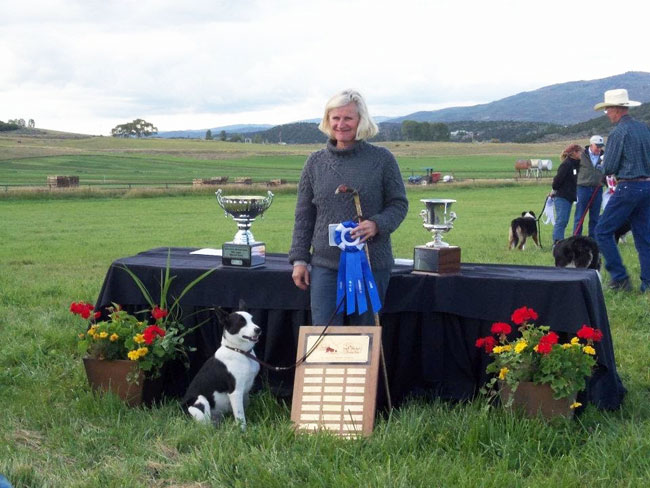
[{"x": 355, "y": 275}]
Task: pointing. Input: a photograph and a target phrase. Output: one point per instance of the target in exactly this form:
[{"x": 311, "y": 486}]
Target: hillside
[{"x": 563, "y": 103}]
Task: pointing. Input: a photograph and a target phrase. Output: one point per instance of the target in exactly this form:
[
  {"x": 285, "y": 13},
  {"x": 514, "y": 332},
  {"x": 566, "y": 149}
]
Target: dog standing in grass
[{"x": 522, "y": 228}]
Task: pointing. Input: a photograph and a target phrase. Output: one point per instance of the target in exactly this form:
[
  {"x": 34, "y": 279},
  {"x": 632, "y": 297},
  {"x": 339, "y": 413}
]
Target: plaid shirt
[{"x": 627, "y": 154}]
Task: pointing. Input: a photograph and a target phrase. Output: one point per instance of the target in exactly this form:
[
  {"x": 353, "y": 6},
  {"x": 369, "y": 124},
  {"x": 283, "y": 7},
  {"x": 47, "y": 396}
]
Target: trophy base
[
  {"x": 436, "y": 260},
  {"x": 243, "y": 255}
]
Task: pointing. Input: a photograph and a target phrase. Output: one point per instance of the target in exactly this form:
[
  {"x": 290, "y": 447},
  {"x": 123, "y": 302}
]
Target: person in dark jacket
[
  {"x": 590, "y": 186},
  {"x": 564, "y": 189}
]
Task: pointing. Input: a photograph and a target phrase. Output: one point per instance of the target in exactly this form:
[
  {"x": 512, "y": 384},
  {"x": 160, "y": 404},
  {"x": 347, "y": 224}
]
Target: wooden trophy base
[{"x": 436, "y": 260}]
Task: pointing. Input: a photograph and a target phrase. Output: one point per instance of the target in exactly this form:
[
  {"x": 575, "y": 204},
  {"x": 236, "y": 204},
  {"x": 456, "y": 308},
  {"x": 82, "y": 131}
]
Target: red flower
[
  {"x": 501, "y": 328},
  {"x": 523, "y": 314},
  {"x": 544, "y": 347},
  {"x": 486, "y": 343},
  {"x": 81, "y": 308},
  {"x": 158, "y": 313},
  {"x": 598, "y": 335},
  {"x": 550, "y": 339},
  {"x": 151, "y": 332}
]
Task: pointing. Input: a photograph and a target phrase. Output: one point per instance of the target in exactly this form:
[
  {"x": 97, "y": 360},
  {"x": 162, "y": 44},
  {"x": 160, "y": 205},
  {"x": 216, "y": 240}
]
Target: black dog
[
  {"x": 521, "y": 228},
  {"x": 577, "y": 252}
]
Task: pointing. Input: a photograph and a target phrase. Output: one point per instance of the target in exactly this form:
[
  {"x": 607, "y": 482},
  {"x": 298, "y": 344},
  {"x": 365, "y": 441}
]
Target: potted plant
[
  {"x": 124, "y": 351},
  {"x": 533, "y": 370}
]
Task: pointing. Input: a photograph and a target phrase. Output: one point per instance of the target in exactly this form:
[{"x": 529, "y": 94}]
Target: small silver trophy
[
  {"x": 243, "y": 251},
  {"x": 437, "y": 256}
]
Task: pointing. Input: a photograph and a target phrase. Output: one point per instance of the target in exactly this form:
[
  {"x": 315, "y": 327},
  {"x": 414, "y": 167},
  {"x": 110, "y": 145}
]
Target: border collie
[
  {"x": 223, "y": 382},
  {"x": 521, "y": 228},
  {"x": 577, "y": 252}
]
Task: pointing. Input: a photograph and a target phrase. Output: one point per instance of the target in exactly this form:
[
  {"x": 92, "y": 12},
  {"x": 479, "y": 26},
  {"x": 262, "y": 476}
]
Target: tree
[
  {"x": 137, "y": 128},
  {"x": 208, "y": 135}
]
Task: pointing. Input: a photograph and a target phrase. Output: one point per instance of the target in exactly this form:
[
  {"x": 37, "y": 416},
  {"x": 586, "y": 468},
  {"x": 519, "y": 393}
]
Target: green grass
[
  {"x": 55, "y": 433},
  {"x": 107, "y": 161}
]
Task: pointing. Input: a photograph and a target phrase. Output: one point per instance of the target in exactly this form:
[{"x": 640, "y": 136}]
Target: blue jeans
[
  {"x": 562, "y": 213},
  {"x": 584, "y": 195},
  {"x": 631, "y": 200},
  {"x": 323, "y": 297}
]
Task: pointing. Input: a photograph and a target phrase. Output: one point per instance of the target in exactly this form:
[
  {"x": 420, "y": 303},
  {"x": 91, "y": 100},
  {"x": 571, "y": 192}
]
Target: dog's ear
[
  {"x": 222, "y": 315},
  {"x": 242, "y": 305}
]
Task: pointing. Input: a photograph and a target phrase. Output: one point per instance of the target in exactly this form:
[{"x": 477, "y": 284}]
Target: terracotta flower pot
[
  {"x": 534, "y": 399},
  {"x": 104, "y": 376}
]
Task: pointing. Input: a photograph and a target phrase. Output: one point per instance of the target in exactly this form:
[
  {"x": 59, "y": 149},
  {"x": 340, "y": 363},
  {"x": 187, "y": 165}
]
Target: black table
[{"x": 430, "y": 323}]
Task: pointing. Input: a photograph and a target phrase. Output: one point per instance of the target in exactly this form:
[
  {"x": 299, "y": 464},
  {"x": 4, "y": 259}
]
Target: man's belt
[{"x": 638, "y": 178}]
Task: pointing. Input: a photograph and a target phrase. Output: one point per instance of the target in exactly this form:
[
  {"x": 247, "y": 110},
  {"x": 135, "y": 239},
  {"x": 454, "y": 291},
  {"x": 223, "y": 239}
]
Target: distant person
[
  {"x": 347, "y": 159},
  {"x": 590, "y": 185},
  {"x": 627, "y": 156},
  {"x": 564, "y": 189}
]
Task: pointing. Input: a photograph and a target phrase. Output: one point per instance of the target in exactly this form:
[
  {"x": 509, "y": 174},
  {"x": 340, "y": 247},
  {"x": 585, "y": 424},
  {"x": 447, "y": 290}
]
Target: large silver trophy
[
  {"x": 243, "y": 251},
  {"x": 437, "y": 256}
]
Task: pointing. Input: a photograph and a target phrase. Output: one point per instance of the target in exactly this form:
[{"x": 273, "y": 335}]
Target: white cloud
[{"x": 87, "y": 66}]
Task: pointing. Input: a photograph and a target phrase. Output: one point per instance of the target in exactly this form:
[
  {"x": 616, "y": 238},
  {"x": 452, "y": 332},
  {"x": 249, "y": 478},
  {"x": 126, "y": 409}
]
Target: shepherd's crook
[{"x": 357, "y": 204}]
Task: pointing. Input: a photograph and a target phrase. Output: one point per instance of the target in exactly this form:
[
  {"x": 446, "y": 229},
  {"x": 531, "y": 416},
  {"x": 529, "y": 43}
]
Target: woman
[
  {"x": 564, "y": 189},
  {"x": 373, "y": 171}
]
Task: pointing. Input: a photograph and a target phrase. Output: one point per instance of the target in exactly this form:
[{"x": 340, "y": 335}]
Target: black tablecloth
[{"x": 430, "y": 323}]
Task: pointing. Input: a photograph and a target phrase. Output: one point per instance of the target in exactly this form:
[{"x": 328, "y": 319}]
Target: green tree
[{"x": 137, "y": 128}]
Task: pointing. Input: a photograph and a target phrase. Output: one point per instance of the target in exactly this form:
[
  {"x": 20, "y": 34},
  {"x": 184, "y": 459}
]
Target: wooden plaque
[{"x": 335, "y": 388}]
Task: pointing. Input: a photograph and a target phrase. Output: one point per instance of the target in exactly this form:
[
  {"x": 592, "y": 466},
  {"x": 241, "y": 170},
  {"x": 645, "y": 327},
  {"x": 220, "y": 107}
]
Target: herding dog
[
  {"x": 223, "y": 382},
  {"x": 577, "y": 252},
  {"x": 521, "y": 228}
]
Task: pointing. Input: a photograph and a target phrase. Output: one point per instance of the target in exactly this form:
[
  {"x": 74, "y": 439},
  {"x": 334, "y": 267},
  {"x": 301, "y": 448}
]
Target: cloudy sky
[{"x": 88, "y": 65}]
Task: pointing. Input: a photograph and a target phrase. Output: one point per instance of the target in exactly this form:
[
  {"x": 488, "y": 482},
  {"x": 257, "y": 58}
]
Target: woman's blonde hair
[
  {"x": 569, "y": 149},
  {"x": 367, "y": 127}
]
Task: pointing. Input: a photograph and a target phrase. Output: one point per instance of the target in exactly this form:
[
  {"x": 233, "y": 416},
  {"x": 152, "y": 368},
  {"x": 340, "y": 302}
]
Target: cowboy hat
[{"x": 616, "y": 98}]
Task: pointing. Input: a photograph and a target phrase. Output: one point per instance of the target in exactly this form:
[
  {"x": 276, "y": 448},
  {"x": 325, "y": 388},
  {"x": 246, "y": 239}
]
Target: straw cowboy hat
[{"x": 616, "y": 98}]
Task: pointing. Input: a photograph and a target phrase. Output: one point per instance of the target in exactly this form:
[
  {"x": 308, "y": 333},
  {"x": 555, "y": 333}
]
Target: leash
[
  {"x": 266, "y": 365},
  {"x": 539, "y": 227},
  {"x": 584, "y": 214}
]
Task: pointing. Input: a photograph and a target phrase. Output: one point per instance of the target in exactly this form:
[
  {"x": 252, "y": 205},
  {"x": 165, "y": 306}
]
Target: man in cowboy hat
[{"x": 627, "y": 156}]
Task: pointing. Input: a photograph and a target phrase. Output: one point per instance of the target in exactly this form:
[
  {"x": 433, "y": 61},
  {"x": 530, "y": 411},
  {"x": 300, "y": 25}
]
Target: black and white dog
[
  {"x": 577, "y": 252},
  {"x": 223, "y": 382},
  {"x": 521, "y": 228}
]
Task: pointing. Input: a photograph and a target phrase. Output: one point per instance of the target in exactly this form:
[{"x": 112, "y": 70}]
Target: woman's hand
[
  {"x": 365, "y": 230},
  {"x": 300, "y": 276}
]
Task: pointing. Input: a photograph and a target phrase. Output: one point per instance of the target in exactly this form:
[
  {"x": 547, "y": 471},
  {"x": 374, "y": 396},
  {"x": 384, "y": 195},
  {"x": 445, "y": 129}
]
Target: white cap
[{"x": 598, "y": 140}]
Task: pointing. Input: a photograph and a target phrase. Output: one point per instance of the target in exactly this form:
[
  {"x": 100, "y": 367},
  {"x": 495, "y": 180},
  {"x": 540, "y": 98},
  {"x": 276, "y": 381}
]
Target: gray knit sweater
[{"x": 373, "y": 171}]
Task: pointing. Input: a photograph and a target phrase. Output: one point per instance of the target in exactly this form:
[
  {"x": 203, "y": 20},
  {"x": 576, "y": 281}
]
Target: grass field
[
  {"x": 55, "y": 433},
  {"x": 109, "y": 161}
]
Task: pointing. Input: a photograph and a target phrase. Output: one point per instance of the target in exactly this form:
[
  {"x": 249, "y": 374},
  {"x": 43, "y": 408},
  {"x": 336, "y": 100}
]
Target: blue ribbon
[{"x": 354, "y": 276}]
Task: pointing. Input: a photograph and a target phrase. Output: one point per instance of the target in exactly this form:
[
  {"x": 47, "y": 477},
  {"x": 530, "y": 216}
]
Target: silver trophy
[
  {"x": 243, "y": 250},
  {"x": 437, "y": 256},
  {"x": 438, "y": 218}
]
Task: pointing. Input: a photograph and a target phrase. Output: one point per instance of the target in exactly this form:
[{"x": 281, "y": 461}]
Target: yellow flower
[
  {"x": 520, "y": 346},
  {"x": 502, "y": 373},
  {"x": 114, "y": 337},
  {"x": 103, "y": 335},
  {"x": 589, "y": 350},
  {"x": 138, "y": 338},
  {"x": 133, "y": 355},
  {"x": 575, "y": 405},
  {"x": 575, "y": 340}
]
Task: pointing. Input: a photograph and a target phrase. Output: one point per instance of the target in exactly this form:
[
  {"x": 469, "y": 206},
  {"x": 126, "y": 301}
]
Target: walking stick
[
  {"x": 357, "y": 204},
  {"x": 584, "y": 214}
]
